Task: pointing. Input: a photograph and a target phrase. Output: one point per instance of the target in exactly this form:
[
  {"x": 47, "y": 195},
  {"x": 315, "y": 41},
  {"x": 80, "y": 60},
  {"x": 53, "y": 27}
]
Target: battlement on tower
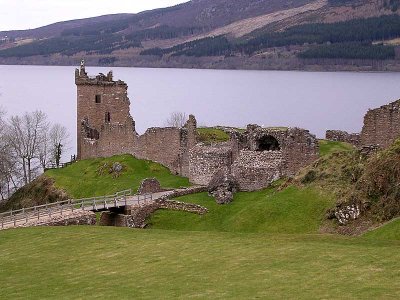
[{"x": 82, "y": 78}]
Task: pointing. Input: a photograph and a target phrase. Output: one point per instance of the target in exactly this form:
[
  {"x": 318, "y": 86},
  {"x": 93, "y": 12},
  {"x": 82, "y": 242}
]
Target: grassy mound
[
  {"x": 209, "y": 135},
  {"x": 117, "y": 263},
  {"x": 290, "y": 211},
  {"x": 89, "y": 178},
  {"x": 372, "y": 182},
  {"x": 86, "y": 178},
  {"x": 38, "y": 192}
]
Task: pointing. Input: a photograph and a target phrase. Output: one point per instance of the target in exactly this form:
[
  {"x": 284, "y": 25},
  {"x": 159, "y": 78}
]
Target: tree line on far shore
[
  {"x": 28, "y": 145},
  {"x": 354, "y": 39}
]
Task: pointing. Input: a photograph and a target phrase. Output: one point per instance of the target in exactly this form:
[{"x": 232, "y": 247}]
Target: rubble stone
[
  {"x": 149, "y": 186},
  {"x": 223, "y": 186}
]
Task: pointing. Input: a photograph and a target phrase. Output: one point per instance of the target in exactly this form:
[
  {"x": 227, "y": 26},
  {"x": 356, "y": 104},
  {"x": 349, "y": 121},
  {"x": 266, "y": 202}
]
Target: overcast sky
[{"x": 26, "y": 14}]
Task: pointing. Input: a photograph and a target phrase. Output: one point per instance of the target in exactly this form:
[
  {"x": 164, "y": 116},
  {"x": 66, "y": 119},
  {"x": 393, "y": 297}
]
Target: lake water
[{"x": 311, "y": 100}]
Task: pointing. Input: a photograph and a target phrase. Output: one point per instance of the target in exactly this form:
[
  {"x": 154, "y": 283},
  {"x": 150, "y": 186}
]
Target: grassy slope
[
  {"x": 390, "y": 231},
  {"x": 290, "y": 211},
  {"x": 104, "y": 263},
  {"x": 82, "y": 180},
  {"x": 328, "y": 147}
]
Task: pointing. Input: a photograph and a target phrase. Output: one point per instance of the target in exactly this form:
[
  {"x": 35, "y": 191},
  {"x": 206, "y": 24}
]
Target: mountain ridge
[{"x": 234, "y": 26}]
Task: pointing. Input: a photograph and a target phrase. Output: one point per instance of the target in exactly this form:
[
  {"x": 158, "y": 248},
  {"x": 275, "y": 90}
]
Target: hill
[
  {"x": 266, "y": 34},
  {"x": 90, "y": 178},
  {"x": 368, "y": 183}
]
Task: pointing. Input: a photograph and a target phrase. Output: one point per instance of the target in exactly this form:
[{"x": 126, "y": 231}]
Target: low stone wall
[
  {"x": 135, "y": 217},
  {"x": 257, "y": 170},
  {"x": 139, "y": 215},
  {"x": 185, "y": 192},
  {"x": 343, "y": 136},
  {"x": 182, "y": 206}
]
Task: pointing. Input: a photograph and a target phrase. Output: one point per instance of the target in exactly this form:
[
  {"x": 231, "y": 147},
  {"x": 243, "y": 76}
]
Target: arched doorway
[{"x": 268, "y": 143}]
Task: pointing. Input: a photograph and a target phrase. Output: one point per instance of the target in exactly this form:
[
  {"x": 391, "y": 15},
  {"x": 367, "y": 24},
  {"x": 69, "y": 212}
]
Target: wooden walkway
[{"x": 18, "y": 218}]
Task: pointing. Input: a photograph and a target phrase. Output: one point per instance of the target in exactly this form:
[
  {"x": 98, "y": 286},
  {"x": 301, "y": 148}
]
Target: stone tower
[{"x": 104, "y": 124}]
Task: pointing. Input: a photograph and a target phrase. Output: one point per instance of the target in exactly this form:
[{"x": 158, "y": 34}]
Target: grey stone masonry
[
  {"x": 381, "y": 126},
  {"x": 257, "y": 170},
  {"x": 205, "y": 161},
  {"x": 255, "y": 157},
  {"x": 343, "y": 136}
]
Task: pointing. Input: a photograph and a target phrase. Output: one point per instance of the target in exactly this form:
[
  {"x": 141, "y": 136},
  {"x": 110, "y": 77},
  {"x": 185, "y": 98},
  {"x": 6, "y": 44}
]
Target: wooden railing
[
  {"x": 23, "y": 216},
  {"x": 61, "y": 165}
]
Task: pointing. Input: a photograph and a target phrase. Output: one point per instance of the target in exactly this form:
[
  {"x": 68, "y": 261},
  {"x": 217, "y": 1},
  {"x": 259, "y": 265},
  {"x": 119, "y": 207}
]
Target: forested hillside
[{"x": 197, "y": 32}]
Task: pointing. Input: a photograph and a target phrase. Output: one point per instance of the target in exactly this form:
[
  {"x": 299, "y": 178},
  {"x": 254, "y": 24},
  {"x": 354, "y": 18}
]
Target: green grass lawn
[
  {"x": 120, "y": 263},
  {"x": 82, "y": 179},
  {"x": 391, "y": 231},
  {"x": 290, "y": 211},
  {"x": 327, "y": 147}
]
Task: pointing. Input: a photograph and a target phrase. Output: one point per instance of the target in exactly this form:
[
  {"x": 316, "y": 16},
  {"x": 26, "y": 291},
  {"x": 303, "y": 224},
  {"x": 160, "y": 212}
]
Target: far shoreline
[{"x": 200, "y": 68}]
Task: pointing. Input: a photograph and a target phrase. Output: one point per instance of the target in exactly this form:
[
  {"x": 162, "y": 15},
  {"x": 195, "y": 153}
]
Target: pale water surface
[{"x": 311, "y": 100}]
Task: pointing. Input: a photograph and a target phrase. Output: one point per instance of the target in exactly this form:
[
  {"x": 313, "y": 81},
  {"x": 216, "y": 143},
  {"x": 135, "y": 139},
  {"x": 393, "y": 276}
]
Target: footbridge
[{"x": 22, "y": 217}]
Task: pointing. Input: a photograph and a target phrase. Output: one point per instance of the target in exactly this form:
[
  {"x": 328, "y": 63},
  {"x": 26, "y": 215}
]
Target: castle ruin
[
  {"x": 381, "y": 128},
  {"x": 255, "y": 157},
  {"x": 381, "y": 125},
  {"x": 106, "y": 128}
]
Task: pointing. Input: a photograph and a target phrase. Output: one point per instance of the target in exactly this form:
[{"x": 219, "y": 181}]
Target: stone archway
[{"x": 268, "y": 143}]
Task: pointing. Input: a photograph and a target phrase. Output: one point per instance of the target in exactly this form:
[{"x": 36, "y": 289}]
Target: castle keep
[
  {"x": 106, "y": 128},
  {"x": 255, "y": 157}
]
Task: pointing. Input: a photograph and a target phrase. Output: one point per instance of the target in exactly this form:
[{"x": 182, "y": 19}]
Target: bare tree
[
  {"x": 7, "y": 162},
  {"x": 177, "y": 119},
  {"x": 25, "y": 135},
  {"x": 58, "y": 139},
  {"x": 27, "y": 144}
]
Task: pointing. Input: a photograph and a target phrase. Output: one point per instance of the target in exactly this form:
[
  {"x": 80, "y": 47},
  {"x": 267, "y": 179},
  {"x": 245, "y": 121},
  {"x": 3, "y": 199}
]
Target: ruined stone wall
[
  {"x": 300, "y": 149},
  {"x": 169, "y": 146},
  {"x": 382, "y": 125},
  {"x": 343, "y": 136},
  {"x": 256, "y": 157},
  {"x": 205, "y": 161},
  {"x": 256, "y": 170},
  {"x": 113, "y": 139},
  {"x": 161, "y": 145}
]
